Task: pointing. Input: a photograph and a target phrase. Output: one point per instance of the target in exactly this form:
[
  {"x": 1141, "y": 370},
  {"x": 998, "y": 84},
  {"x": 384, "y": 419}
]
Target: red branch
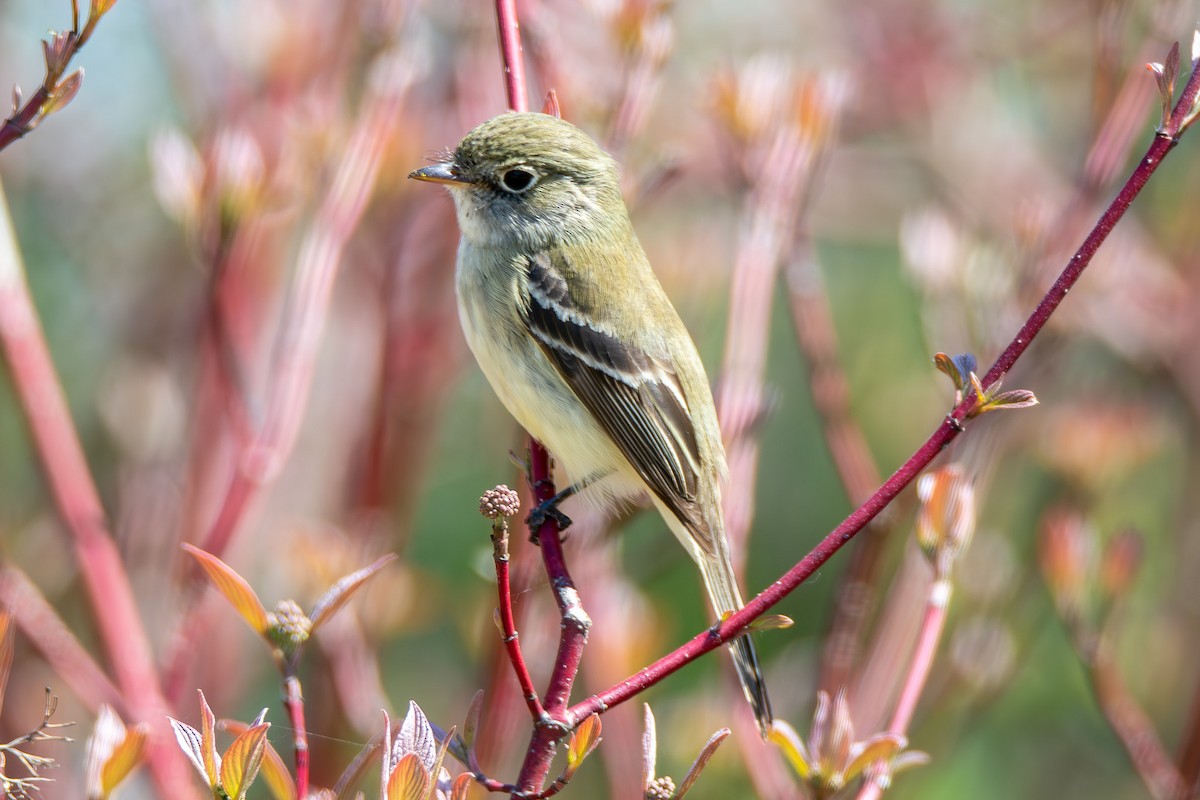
[
  {"x": 110, "y": 594},
  {"x": 934, "y": 622},
  {"x": 736, "y": 623},
  {"x": 508, "y": 624},
  {"x": 30, "y": 115},
  {"x": 572, "y": 640},
  {"x": 575, "y": 625},
  {"x": 510, "y": 55},
  {"x": 293, "y": 701}
]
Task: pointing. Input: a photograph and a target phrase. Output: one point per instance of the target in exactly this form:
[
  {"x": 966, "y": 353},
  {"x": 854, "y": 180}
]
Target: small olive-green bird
[{"x": 577, "y": 337}]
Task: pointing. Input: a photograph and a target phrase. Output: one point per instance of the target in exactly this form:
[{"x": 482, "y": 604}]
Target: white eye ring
[{"x": 518, "y": 179}]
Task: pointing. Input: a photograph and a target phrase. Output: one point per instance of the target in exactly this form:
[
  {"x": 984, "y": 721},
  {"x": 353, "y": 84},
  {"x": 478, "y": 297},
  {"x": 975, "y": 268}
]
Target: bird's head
[{"x": 528, "y": 180}]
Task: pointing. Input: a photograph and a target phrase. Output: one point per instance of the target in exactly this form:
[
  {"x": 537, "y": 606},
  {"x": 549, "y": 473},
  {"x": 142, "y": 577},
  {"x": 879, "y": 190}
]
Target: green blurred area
[{"x": 981, "y": 113}]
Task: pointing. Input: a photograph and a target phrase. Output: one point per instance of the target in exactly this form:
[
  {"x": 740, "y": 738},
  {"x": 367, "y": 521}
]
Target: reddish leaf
[
  {"x": 63, "y": 93},
  {"x": 471, "y": 724},
  {"x": 701, "y": 762},
  {"x": 462, "y": 786},
  {"x": 341, "y": 592},
  {"x": 208, "y": 739},
  {"x": 234, "y": 588},
  {"x": 352, "y": 776}
]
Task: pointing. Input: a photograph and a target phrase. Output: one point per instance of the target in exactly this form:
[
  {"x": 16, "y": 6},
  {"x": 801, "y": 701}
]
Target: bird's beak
[{"x": 447, "y": 173}]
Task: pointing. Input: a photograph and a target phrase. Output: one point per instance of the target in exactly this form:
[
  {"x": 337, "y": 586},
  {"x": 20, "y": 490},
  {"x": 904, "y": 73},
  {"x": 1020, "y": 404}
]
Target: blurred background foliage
[{"x": 972, "y": 154}]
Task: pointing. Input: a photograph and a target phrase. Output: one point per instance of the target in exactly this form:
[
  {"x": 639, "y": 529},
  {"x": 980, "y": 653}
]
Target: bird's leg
[{"x": 548, "y": 509}]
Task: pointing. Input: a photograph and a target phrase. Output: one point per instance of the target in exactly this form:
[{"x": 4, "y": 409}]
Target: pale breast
[{"x": 490, "y": 296}]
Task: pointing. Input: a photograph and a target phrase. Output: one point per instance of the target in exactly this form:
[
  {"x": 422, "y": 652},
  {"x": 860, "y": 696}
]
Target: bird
[{"x": 578, "y": 339}]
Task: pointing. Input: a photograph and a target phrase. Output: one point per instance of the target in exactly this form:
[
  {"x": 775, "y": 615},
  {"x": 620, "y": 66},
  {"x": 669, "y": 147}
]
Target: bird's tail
[{"x": 723, "y": 592}]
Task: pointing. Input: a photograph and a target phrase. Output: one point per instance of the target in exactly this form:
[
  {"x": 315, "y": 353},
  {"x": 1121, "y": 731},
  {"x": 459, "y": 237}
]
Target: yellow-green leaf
[
  {"x": 583, "y": 741},
  {"x": 125, "y": 757},
  {"x": 6, "y": 651},
  {"x": 101, "y": 7},
  {"x": 241, "y": 761},
  {"x": 784, "y": 736},
  {"x": 275, "y": 773},
  {"x": 882, "y": 747},
  {"x": 409, "y": 779},
  {"x": 234, "y": 588},
  {"x": 771, "y": 622}
]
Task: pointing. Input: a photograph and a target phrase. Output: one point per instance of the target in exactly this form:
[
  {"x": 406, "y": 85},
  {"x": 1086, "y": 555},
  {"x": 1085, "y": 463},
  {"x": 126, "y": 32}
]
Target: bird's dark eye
[{"x": 518, "y": 179}]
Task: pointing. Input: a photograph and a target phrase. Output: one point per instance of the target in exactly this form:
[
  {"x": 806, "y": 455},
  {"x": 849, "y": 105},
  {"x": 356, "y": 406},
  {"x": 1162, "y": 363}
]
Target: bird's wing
[{"x": 635, "y": 396}]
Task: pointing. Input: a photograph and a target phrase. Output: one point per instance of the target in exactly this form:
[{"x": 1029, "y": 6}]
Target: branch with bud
[{"x": 57, "y": 89}]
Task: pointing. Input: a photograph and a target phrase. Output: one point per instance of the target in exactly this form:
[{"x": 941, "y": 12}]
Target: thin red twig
[
  {"x": 572, "y": 639},
  {"x": 29, "y": 115},
  {"x": 510, "y": 55},
  {"x": 508, "y": 624},
  {"x": 293, "y": 701},
  {"x": 945, "y": 433},
  {"x": 542, "y": 745}
]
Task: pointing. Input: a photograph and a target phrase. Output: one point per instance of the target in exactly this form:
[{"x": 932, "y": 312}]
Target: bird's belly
[{"x": 530, "y": 387}]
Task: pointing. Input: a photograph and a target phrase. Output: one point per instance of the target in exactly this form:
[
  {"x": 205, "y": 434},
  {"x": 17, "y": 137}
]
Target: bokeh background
[{"x": 950, "y": 157}]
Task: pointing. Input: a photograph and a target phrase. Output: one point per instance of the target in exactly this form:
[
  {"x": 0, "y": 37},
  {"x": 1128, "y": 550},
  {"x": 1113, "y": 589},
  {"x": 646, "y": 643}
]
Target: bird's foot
[{"x": 547, "y": 509}]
